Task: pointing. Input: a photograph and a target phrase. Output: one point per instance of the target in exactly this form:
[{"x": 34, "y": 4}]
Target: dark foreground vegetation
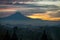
[{"x": 41, "y": 33}]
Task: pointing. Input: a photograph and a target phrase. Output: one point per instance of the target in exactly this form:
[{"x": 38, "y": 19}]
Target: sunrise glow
[
  {"x": 7, "y": 10},
  {"x": 44, "y": 16}
]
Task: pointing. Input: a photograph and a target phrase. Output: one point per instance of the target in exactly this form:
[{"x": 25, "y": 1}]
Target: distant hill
[
  {"x": 15, "y": 16},
  {"x": 19, "y": 19}
]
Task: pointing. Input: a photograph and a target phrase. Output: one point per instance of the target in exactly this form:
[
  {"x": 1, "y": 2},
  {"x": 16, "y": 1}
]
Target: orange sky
[{"x": 44, "y": 16}]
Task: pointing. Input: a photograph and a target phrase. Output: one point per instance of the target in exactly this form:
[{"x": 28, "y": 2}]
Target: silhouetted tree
[
  {"x": 44, "y": 36},
  {"x": 0, "y": 32},
  {"x": 14, "y": 36},
  {"x": 7, "y": 36},
  {"x": 21, "y": 36},
  {"x": 37, "y": 36}
]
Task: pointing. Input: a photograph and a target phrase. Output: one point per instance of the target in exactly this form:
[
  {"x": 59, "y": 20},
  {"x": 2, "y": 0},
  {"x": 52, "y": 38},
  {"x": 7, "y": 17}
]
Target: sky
[
  {"x": 45, "y": 11},
  {"x": 49, "y": 15}
]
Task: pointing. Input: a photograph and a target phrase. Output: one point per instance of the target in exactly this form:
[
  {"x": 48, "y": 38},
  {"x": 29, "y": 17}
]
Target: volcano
[
  {"x": 18, "y": 18},
  {"x": 15, "y": 16}
]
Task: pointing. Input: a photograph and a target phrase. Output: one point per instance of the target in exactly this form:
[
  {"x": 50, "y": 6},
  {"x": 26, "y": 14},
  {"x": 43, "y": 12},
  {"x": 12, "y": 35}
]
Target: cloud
[
  {"x": 26, "y": 10},
  {"x": 56, "y": 14},
  {"x": 49, "y": 15},
  {"x": 5, "y": 14}
]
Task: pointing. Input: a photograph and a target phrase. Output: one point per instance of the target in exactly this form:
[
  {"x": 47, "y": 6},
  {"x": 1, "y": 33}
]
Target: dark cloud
[
  {"x": 16, "y": 0},
  {"x": 26, "y": 10},
  {"x": 56, "y": 14}
]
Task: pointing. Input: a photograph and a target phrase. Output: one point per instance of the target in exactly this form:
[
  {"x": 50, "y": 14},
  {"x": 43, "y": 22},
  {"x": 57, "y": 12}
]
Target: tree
[
  {"x": 14, "y": 36},
  {"x": 7, "y": 36},
  {"x": 44, "y": 36}
]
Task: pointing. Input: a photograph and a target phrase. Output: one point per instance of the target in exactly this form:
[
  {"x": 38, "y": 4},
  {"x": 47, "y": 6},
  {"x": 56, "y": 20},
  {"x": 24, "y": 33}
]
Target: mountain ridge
[{"x": 16, "y": 16}]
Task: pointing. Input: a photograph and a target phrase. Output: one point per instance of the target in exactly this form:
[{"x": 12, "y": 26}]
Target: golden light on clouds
[{"x": 45, "y": 16}]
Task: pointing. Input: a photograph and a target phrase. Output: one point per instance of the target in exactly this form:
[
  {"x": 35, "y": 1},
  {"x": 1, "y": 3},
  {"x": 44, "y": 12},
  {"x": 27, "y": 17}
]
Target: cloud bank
[{"x": 49, "y": 15}]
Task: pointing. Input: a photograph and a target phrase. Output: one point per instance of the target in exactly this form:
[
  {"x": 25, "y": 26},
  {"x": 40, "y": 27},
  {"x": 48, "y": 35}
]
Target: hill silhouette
[
  {"x": 18, "y": 18},
  {"x": 15, "y": 16}
]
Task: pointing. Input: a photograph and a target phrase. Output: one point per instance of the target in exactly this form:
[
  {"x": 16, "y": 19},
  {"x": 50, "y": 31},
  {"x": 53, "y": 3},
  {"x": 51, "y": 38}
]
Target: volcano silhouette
[
  {"x": 15, "y": 16},
  {"x": 18, "y": 18}
]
